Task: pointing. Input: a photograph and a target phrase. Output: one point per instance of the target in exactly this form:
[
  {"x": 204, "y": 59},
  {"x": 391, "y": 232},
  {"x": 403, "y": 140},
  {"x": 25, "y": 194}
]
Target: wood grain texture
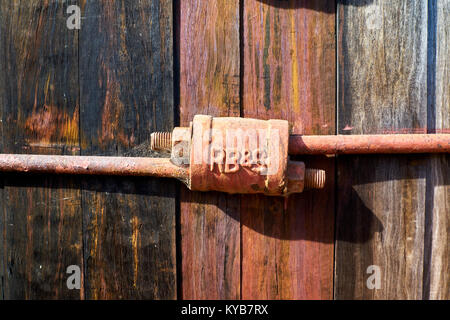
[
  {"x": 392, "y": 210},
  {"x": 383, "y": 86},
  {"x": 126, "y": 81},
  {"x": 289, "y": 63},
  {"x": 209, "y": 58},
  {"x": 129, "y": 238},
  {"x": 380, "y": 221},
  {"x": 209, "y": 84},
  {"x": 437, "y": 239},
  {"x": 42, "y": 237},
  {"x": 41, "y": 219},
  {"x": 437, "y": 236},
  {"x": 289, "y": 73}
]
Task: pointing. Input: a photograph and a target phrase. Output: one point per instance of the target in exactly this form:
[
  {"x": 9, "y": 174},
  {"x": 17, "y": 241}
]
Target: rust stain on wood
[
  {"x": 135, "y": 245},
  {"x": 48, "y": 122},
  {"x": 111, "y": 130}
]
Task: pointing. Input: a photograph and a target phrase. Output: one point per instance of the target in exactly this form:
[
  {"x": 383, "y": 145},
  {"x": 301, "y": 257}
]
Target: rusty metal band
[
  {"x": 79, "y": 165},
  {"x": 369, "y": 144}
]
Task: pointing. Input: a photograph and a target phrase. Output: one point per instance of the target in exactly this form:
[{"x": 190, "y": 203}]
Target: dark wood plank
[
  {"x": 129, "y": 238},
  {"x": 209, "y": 84},
  {"x": 42, "y": 238},
  {"x": 289, "y": 73},
  {"x": 126, "y": 80},
  {"x": 41, "y": 219},
  {"x": 388, "y": 205}
]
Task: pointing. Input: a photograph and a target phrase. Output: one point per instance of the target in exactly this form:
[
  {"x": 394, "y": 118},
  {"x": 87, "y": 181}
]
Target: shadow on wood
[
  {"x": 313, "y": 4},
  {"x": 120, "y": 185},
  {"x": 274, "y": 221}
]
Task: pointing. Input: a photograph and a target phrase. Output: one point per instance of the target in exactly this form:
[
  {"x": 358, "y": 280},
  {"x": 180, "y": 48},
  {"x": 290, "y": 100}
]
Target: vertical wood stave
[
  {"x": 209, "y": 84},
  {"x": 437, "y": 236},
  {"x": 289, "y": 73},
  {"x": 39, "y": 106},
  {"x": 392, "y": 210},
  {"x": 126, "y": 81}
]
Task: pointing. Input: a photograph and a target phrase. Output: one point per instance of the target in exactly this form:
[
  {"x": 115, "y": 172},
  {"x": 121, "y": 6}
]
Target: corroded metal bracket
[{"x": 237, "y": 155}]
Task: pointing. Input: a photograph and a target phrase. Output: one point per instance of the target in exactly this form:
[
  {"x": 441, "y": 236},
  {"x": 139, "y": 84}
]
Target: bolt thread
[
  {"x": 161, "y": 141},
  {"x": 315, "y": 179}
]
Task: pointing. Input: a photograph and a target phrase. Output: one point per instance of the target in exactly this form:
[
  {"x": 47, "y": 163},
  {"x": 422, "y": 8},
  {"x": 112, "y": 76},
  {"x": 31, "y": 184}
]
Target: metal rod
[
  {"x": 78, "y": 165},
  {"x": 369, "y": 144},
  {"x": 163, "y": 167}
]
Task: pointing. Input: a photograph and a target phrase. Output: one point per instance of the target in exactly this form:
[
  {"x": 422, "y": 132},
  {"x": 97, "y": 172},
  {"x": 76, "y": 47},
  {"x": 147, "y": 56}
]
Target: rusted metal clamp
[
  {"x": 237, "y": 155},
  {"x": 233, "y": 155}
]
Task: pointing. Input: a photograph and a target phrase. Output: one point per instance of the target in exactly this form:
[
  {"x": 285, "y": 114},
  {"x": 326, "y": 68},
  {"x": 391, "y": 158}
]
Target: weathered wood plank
[
  {"x": 41, "y": 219},
  {"x": 126, "y": 80},
  {"x": 380, "y": 222},
  {"x": 437, "y": 239},
  {"x": 388, "y": 204},
  {"x": 437, "y": 236},
  {"x": 209, "y": 84},
  {"x": 129, "y": 238},
  {"x": 289, "y": 73},
  {"x": 289, "y": 58},
  {"x": 43, "y": 234},
  {"x": 383, "y": 58}
]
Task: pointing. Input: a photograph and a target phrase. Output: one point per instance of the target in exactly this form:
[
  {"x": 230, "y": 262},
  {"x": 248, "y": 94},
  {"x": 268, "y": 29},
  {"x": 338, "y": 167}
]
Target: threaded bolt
[
  {"x": 161, "y": 141},
  {"x": 315, "y": 179}
]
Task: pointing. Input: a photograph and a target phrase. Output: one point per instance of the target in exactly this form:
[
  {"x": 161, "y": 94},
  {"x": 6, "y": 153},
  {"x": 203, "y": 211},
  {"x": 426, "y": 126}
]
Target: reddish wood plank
[
  {"x": 209, "y": 84},
  {"x": 289, "y": 73}
]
